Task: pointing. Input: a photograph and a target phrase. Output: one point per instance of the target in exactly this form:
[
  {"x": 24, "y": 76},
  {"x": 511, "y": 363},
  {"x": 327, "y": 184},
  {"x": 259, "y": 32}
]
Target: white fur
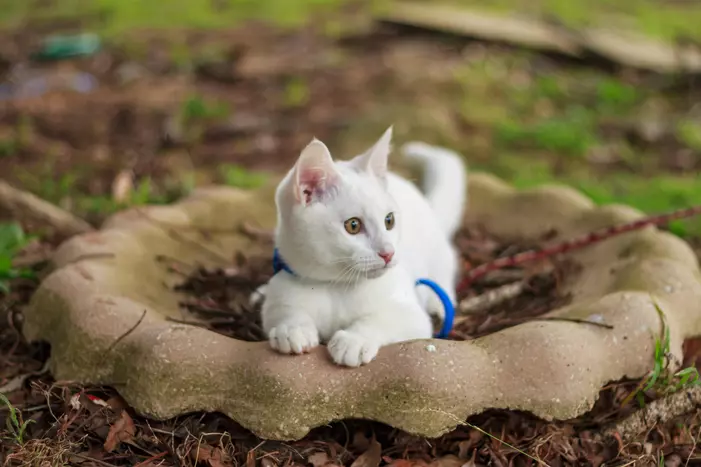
[{"x": 342, "y": 292}]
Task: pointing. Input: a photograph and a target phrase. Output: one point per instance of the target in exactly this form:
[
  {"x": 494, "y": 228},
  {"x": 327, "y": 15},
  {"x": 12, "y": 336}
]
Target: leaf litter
[{"x": 92, "y": 426}]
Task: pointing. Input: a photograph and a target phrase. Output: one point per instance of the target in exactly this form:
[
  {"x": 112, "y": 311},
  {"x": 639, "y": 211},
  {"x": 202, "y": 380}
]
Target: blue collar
[{"x": 280, "y": 265}]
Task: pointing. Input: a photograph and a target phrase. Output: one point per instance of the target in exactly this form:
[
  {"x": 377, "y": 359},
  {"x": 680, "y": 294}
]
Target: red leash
[{"x": 574, "y": 244}]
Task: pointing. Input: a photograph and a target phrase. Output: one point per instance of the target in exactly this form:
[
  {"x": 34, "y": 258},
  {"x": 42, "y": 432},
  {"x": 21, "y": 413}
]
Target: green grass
[
  {"x": 12, "y": 240},
  {"x": 238, "y": 177},
  {"x": 16, "y": 425},
  {"x": 658, "y": 194},
  {"x": 572, "y": 135},
  {"x": 8, "y": 147},
  {"x": 197, "y": 108},
  {"x": 657, "y": 18},
  {"x": 119, "y": 17},
  {"x": 296, "y": 92},
  {"x": 661, "y": 379},
  {"x": 549, "y": 127}
]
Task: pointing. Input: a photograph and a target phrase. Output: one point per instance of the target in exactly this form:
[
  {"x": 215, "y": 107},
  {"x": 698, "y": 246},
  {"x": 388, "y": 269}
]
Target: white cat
[{"x": 356, "y": 238}]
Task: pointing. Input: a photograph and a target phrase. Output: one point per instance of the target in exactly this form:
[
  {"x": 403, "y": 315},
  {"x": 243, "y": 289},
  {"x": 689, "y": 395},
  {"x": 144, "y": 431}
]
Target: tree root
[
  {"x": 657, "y": 412},
  {"x": 26, "y": 206}
]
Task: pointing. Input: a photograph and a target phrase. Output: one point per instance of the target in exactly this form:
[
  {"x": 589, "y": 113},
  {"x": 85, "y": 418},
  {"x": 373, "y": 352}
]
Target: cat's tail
[{"x": 444, "y": 182}]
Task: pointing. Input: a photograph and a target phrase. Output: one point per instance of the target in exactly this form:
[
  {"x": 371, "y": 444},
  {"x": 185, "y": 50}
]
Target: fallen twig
[
  {"x": 129, "y": 331},
  {"x": 656, "y": 412},
  {"x": 24, "y": 205},
  {"x": 574, "y": 320},
  {"x": 574, "y": 244},
  {"x": 491, "y": 298}
]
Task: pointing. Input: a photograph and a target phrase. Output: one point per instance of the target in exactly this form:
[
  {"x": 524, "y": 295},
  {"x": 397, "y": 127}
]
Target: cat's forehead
[{"x": 359, "y": 182}]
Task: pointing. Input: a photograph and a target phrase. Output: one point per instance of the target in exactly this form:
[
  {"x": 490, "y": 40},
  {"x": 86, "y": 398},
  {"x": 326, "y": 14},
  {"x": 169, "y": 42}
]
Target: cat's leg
[
  {"x": 359, "y": 343},
  {"x": 295, "y": 335},
  {"x": 288, "y": 316}
]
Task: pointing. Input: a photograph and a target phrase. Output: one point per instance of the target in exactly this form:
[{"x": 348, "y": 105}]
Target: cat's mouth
[{"x": 379, "y": 271}]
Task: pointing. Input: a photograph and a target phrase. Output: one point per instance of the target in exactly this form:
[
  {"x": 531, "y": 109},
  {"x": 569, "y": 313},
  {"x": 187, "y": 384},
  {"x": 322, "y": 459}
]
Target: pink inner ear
[{"x": 310, "y": 182}]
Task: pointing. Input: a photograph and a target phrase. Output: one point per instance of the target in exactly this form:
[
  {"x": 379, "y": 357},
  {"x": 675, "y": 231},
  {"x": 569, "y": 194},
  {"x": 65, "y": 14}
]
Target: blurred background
[{"x": 109, "y": 103}]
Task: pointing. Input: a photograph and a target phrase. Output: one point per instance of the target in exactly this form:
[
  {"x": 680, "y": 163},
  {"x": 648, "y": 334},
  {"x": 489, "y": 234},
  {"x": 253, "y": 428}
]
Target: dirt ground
[{"x": 169, "y": 111}]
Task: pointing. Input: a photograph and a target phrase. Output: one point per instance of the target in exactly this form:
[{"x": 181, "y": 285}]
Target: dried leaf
[
  {"x": 360, "y": 441},
  {"x": 122, "y": 430},
  {"x": 251, "y": 459},
  {"x": 370, "y": 458},
  {"x": 117, "y": 403},
  {"x": 213, "y": 457},
  {"x": 122, "y": 186},
  {"x": 405, "y": 463},
  {"x": 318, "y": 459},
  {"x": 447, "y": 461}
]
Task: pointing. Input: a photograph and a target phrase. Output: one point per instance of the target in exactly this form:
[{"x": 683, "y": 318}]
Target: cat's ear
[
  {"x": 376, "y": 158},
  {"x": 314, "y": 174}
]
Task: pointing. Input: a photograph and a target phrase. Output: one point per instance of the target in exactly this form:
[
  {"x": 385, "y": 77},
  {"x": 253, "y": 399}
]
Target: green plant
[
  {"x": 239, "y": 177},
  {"x": 572, "y": 135},
  {"x": 196, "y": 108},
  {"x": 144, "y": 193},
  {"x": 12, "y": 240},
  {"x": 689, "y": 134},
  {"x": 296, "y": 92},
  {"x": 16, "y": 426},
  {"x": 8, "y": 147},
  {"x": 41, "y": 180},
  {"x": 613, "y": 95},
  {"x": 661, "y": 379}
]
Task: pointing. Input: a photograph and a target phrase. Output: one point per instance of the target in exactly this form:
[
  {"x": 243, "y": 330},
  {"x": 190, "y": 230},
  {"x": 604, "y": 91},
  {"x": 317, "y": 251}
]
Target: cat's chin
[{"x": 379, "y": 272}]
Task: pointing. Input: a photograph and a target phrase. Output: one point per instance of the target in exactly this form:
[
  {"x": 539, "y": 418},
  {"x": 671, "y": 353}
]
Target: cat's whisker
[{"x": 344, "y": 272}]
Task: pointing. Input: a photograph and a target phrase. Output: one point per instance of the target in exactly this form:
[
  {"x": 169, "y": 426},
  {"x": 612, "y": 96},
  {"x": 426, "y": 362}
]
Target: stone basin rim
[{"x": 172, "y": 369}]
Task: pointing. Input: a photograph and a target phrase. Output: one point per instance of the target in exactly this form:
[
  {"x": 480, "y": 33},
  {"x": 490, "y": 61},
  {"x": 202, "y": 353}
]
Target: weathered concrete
[{"x": 104, "y": 281}]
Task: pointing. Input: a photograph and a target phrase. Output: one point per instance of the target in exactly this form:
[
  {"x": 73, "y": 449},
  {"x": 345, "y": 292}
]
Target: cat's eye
[
  {"x": 389, "y": 221},
  {"x": 353, "y": 225}
]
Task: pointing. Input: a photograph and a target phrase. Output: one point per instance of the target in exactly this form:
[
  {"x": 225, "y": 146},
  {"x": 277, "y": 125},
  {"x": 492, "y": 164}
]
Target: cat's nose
[{"x": 386, "y": 256}]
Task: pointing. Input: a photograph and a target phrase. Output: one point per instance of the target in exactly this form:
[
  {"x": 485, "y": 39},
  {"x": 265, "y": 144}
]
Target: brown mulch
[
  {"x": 219, "y": 299},
  {"x": 74, "y": 425}
]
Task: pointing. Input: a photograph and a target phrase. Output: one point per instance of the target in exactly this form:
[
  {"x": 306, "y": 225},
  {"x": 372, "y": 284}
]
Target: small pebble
[{"x": 431, "y": 348}]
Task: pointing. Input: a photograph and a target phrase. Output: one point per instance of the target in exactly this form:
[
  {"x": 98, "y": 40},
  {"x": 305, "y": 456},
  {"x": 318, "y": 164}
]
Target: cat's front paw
[
  {"x": 352, "y": 349},
  {"x": 294, "y": 338}
]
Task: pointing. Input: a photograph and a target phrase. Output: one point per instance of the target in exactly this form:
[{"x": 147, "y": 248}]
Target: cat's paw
[
  {"x": 352, "y": 349},
  {"x": 294, "y": 338}
]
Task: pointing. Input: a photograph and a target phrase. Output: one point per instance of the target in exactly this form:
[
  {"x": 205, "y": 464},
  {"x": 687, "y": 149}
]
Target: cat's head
[{"x": 336, "y": 220}]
